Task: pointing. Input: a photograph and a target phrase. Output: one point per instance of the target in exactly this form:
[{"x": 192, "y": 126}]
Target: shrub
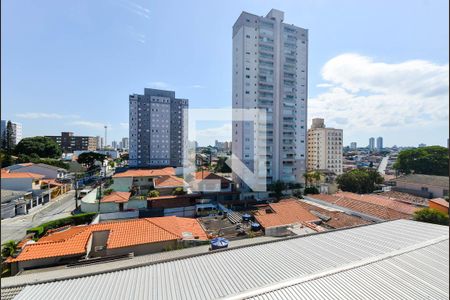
[
  {"x": 72, "y": 220},
  {"x": 431, "y": 215},
  {"x": 108, "y": 192},
  {"x": 153, "y": 194},
  {"x": 178, "y": 191},
  {"x": 297, "y": 194},
  {"x": 311, "y": 190}
]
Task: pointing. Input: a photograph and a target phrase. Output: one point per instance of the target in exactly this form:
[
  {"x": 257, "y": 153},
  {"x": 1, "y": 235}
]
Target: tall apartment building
[
  {"x": 16, "y": 131},
  {"x": 70, "y": 143},
  {"x": 379, "y": 143},
  {"x": 372, "y": 144},
  {"x": 125, "y": 143},
  {"x": 157, "y": 122},
  {"x": 353, "y": 146},
  {"x": 325, "y": 147},
  {"x": 270, "y": 72}
]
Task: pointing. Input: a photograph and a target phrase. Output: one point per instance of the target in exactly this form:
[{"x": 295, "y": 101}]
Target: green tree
[
  {"x": 178, "y": 191},
  {"x": 39, "y": 146},
  {"x": 9, "y": 248},
  {"x": 297, "y": 194},
  {"x": 153, "y": 194},
  {"x": 361, "y": 181},
  {"x": 88, "y": 159},
  {"x": 432, "y": 160},
  {"x": 431, "y": 215},
  {"x": 278, "y": 188},
  {"x": 221, "y": 166},
  {"x": 311, "y": 190}
]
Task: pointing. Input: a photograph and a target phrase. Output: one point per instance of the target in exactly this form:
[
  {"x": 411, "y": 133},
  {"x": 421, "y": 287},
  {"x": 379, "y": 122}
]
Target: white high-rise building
[
  {"x": 270, "y": 72},
  {"x": 325, "y": 147},
  {"x": 371, "y": 144},
  {"x": 125, "y": 144},
  {"x": 16, "y": 132},
  {"x": 379, "y": 143}
]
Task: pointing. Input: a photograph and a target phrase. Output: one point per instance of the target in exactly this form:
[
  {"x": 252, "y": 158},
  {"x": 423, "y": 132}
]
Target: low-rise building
[
  {"x": 138, "y": 237},
  {"x": 69, "y": 142},
  {"x": 439, "y": 204},
  {"x": 139, "y": 179},
  {"x": 369, "y": 207},
  {"x": 277, "y": 218},
  {"x": 25, "y": 181},
  {"x": 14, "y": 203},
  {"x": 429, "y": 186},
  {"x": 49, "y": 172}
]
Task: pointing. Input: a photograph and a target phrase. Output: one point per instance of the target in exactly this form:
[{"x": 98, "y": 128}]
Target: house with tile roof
[
  {"x": 166, "y": 184},
  {"x": 439, "y": 204},
  {"x": 428, "y": 186},
  {"x": 365, "y": 207},
  {"x": 85, "y": 242},
  {"x": 139, "y": 179},
  {"x": 49, "y": 172},
  {"x": 205, "y": 181},
  {"x": 24, "y": 181},
  {"x": 277, "y": 218}
]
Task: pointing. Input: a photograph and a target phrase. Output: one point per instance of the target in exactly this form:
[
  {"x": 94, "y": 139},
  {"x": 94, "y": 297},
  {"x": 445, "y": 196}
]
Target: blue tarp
[{"x": 219, "y": 243}]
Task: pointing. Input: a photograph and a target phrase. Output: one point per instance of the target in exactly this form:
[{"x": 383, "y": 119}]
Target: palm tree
[
  {"x": 316, "y": 176},
  {"x": 307, "y": 177},
  {"x": 9, "y": 248}
]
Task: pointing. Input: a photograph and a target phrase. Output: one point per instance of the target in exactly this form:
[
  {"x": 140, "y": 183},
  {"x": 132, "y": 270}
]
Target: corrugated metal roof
[{"x": 231, "y": 272}]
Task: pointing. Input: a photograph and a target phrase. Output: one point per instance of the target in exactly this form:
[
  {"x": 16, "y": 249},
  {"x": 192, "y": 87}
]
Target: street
[
  {"x": 15, "y": 228},
  {"x": 383, "y": 164}
]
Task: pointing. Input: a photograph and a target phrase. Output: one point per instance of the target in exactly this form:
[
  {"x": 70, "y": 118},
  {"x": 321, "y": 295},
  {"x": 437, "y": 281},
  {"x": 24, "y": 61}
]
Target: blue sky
[{"x": 376, "y": 68}]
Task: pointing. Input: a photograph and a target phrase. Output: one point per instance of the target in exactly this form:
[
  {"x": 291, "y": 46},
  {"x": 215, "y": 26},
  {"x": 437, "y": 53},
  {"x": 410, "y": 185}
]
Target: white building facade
[
  {"x": 270, "y": 72},
  {"x": 325, "y": 147},
  {"x": 157, "y": 124}
]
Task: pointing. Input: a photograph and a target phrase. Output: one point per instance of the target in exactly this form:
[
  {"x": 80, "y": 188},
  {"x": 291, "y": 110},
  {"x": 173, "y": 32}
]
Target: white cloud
[
  {"x": 40, "y": 115},
  {"x": 369, "y": 96},
  {"x": 207, "y": 136},
  {"x": 324, "y": 85},
  {"x": 92, "y": 125}
]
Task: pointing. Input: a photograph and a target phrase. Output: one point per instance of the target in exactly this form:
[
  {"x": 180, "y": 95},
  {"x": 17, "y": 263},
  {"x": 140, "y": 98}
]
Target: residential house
[
  {"x": 439, "y": 204},
  {"x": 49, "y": 172},
  {"x": 429, "y": 186},
  {"x": 14, "y": 203},
  {"x": 139, "y": 179},
  {"x": 78, "y": 243},
  {"x": 277, "y": 218}
]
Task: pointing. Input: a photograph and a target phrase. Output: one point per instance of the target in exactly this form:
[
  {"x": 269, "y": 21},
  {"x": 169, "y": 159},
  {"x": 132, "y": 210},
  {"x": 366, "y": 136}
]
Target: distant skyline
[{"x": 376, "y": 68}]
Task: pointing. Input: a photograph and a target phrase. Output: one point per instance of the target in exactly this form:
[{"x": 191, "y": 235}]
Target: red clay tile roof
[
  {"x": 368, "y": 208},
  {"x": 440, "y": 201},
  {"x": 168, "y": 181},
  {"x": 208, "y": 175},
  {"x": 121, "y": 234},
  {"x": 381, "y": 200},
  {"x": 338, "y": 219},
  {"x": 284, "y": 213},
  {"x": 52, "y": 182},
  {"x": 117, "y": 197},
  {"x": 5, "y": 174},
  {"x": 146, "y": 173}
]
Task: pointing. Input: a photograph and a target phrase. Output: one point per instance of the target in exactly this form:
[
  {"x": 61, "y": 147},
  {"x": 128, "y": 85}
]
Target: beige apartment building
[{"x": 324, "y": 147}]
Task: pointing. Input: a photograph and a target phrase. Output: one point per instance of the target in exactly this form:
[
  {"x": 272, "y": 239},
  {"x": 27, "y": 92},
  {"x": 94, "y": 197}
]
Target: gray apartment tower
[
  {"x": 270, "y": 72},
  {"x": 157, "y": 123}
]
